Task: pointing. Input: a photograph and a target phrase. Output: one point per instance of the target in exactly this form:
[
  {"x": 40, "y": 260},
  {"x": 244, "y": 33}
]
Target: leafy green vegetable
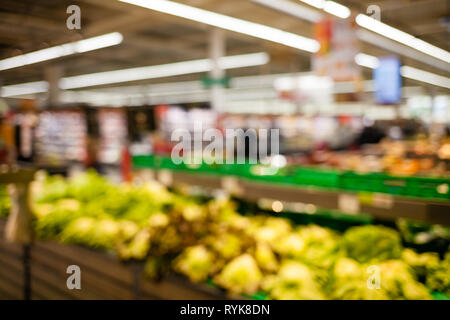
[
  {"x": 241, "y": 275},
  {"x": 208, "y": 239},
  {"x": 352, "y": 281},
  {"x": 294, "y": 281},
  {"x": 371, "y": 243},
  {"x": 438, "y": 278},
  {"x": 422, "y": 264},
  {"x": 195, "y": 262},
  {"x": 265, "y": 257},
  {"x": 90, "y": 232},
  {"x": 5, "y": 202}
]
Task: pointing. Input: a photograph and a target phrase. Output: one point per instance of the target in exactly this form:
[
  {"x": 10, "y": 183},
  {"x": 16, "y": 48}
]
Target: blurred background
[
  {"x": 359, "y": 90},
  {"x": 329, "y": 75}
]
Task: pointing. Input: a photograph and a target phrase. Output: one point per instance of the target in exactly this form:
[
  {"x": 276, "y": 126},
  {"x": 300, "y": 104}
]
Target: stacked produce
[
  {"x": 415, "y": 157},
  {"x": 5, "y": 203},
  {"x": 208, "y": 240}
]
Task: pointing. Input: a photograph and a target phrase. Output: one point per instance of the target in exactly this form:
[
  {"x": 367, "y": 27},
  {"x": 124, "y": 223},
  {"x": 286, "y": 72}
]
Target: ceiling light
[
  {"x": 386, "y": 43},
  {"x": 229, "y": 23},
  {"x": 400, "y": 49},
  {"x": 337, "y": 9},
  {"x": 319, "y": 4},
  {"x": 134, "y": 74},
  {"x": 140, "y": 73},
  {"x": 402, "y": 37},
  {"x": 366, "y": 60},
  {"x": 292, "y": 9},
  {"x": 371, "y": 62},
  {"x": 424, "y": 76},
  {"x": 331, "y": 7},
  {"x": 85, "y": 45},
  {"x": 24, "y": 88},
  {"x": 160, "y": 71}
]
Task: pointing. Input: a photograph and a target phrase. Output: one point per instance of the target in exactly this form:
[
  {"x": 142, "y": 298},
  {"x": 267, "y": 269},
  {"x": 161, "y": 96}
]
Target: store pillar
[
  {"x": 53, "y": 74},
  {"x": 217, "y": 50}
]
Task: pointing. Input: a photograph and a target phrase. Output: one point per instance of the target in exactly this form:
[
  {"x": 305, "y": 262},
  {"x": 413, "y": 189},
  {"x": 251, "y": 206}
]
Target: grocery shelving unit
[
  {"x": 19, "y": 235},
  {"x": 104, "y": 276},
  {"x": 384, "y": 206}
]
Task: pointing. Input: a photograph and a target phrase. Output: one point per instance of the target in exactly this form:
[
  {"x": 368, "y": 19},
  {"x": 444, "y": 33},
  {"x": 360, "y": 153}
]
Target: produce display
[
  {"x": 246, "y": 253},
  {"x": 60, "y": 136},
  {"x": 341, "y": 142},
  {"x": 112, "y": 125},
  {"x": 416, "y": 156},
  {"x": 436, "y": 188},
  {"x": 5, "y": 203}
]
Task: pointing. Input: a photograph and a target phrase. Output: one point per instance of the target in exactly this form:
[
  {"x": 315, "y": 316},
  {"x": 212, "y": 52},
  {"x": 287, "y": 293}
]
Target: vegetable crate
[
  {"x": 428, "y": 187},
  {"x": 321, "y": 178},
  {"x": 270, "y": 173},
  {"x": 407, "y": 186},
  {"x": 144, "y": 161}
]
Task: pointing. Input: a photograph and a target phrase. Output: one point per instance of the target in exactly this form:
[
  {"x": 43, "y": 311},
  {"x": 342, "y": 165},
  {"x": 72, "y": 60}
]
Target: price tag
[
  {"x": 348, "y": 203},
  {"x": 377, "y": 200},
  {"x": 231, "y": 185},
  {"x": 384, "y": 201},
  {"x": 147, "y": 174},
  {"x": 165, "y": 177}
]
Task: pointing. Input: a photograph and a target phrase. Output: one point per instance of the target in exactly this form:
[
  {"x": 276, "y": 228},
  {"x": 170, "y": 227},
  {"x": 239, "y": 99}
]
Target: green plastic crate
[
  {"x": 147, "y": 161},
  {"x": 203, "y": 168},
  {"x": 407, "y": 186},
  {"x": 373, "y": 182},
  {"x": 164, "y": 162},
  {"x": 317, "y": 177},
  {"x": 428, "y": 187},
  {"x": 237, "y": 169},
  {"x": 269, "y": 174}
]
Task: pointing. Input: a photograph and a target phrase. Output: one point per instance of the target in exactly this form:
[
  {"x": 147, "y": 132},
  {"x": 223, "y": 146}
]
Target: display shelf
[
  {"x": 383, "y": 206},
  {"x": 17, "y": 176},
  {"x": 422, "y": 187},
  {"x": 11, "y": 267},
  {"x": 103, "y": 275}
]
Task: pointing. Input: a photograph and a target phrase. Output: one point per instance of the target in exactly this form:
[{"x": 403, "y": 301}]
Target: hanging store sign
[
  {"x": 209, "y": 81},
  {"x": 338, "y": 48},
  {"x": 388, "y": 81},
  {"x": 309, "y": 88}
]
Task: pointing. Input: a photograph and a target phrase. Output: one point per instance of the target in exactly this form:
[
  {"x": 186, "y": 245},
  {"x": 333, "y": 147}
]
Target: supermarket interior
[{"x": 213, "y": 150}]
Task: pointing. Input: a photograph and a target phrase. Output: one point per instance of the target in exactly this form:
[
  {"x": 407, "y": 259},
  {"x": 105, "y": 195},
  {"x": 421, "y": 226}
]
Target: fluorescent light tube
[
  {"x": 160, "y": 71},
  {"x": 402, "y": 37},
  {"x": 85, "y": 45},
  {"x": 292, "y": 9},
  {"x": 103, "y": 41},
  {"x": 319, "y": 4},
  {"x": 337, "y": 9},
  {"x": 243, "y": 60},
  {"x": 331, "y": 7},
  {"x": 24, "y": 88},
  {"x": 140, "y": 73},
  {"x": 424, "y": 76},
  {"x": 371, "y": 62},
  {"x": 366, "y": 60},
  {"x": 134, "y": 74},
  {"x": 229, "y": 23}
]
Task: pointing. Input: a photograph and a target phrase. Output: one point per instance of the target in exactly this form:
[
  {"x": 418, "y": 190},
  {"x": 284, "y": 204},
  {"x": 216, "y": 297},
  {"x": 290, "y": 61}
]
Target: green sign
[{"x": 209, "y": 81}]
